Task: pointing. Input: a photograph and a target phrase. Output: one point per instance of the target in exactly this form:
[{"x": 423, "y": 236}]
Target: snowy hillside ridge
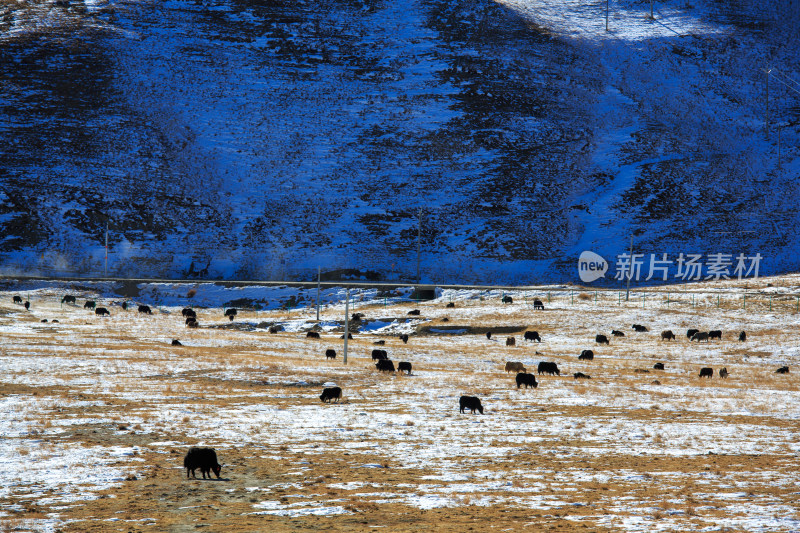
[{"x": 262, "y": 142}]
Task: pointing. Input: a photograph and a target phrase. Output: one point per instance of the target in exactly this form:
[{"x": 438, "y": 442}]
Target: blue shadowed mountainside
[{"x": 252, "y": 139}]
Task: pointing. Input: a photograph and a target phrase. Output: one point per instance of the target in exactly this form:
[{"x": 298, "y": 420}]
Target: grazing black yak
[
  {"x": 548, "y": 367},
  {"x": 470, "y": 402},
  {"x": 331, "y": 393},
  {"x": 385, "y": 365},
  {"x": 532, "y": 336},
  {"x": 203, "y": 458},
  {"x": 529, "y": 380}
]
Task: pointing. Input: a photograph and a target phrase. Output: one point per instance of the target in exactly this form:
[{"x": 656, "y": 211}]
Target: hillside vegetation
[{"x": 262, "y": 139}]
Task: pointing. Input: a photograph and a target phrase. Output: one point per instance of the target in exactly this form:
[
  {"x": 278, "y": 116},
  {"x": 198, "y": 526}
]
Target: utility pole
[
  {"x": 651, "y": 10},
  {"x": 606, "y": 15},
  {"x": 105, "y": 271},
  {"x": 419, "y": 239},
  {"x": 346, "y": 322},
  {"x": 767, "y": 71},
  {"x": 630, "y": 272},
  {"x": 319, "y": 275}
]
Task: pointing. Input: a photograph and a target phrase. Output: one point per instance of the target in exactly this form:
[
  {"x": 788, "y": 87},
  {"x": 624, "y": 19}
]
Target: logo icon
[{"x": 591, "y": 267}]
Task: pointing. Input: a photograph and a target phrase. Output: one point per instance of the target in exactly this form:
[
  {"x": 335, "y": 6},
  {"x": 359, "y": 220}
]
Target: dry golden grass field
[{"x": 98, "y": 413}]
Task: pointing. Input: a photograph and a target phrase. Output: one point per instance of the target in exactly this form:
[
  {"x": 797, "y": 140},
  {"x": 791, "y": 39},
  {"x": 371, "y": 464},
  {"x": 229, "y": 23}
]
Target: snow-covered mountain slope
[{"x": 262, "y": 139}]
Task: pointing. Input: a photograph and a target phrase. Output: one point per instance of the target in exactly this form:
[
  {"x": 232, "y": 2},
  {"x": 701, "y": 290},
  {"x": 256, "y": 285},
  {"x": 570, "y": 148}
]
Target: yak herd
[
  {"x": 384, "y": 364},
  {"x": 206, "y": 459},
  {"x": 528, "y": 380}
]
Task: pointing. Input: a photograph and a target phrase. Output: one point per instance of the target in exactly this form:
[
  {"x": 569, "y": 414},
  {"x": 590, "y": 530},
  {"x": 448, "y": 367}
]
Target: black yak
[
  {"x": 548, "y": 367},
  {"x": 385, "y": 365},
  {"x": 203, "y": 458},
  {"x": 532, "y": 336},
  {"x": 331, "y": 393},
  {"x": 470, "y": 402},
  {"x": 529, "y": 380}
]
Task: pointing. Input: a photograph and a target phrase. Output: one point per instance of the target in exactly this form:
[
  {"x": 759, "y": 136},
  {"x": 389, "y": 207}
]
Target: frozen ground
[{"x": 98, "y": 411}]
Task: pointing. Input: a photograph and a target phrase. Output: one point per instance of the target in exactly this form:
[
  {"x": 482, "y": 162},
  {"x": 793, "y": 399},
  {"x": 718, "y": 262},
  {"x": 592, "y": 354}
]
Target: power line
[
  {"x": 797, "y": 83},
  {"x": 773, "y": 69}
]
